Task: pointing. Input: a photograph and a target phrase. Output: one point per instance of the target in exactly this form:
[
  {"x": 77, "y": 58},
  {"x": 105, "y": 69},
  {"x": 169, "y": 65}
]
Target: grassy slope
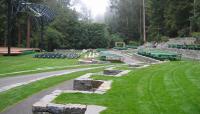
[
  {"x": 171, "y": 88},
  {"x": 55, "y": 69},
  {"x": 17, "y": 94},
  {"x": 27, "y": 62}
]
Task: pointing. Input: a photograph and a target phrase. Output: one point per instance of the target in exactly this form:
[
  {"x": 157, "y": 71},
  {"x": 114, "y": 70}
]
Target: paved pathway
[
  {"x": 134, "y": 58},
  {"x": 25, "y": 107},
  {"x": 11, "y": 82},
  {"x": 127, "y": 59}
]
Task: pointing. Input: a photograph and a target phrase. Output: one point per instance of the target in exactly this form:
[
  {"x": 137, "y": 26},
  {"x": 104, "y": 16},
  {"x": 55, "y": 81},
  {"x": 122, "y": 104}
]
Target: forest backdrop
[{"x": 123, "y": 22}]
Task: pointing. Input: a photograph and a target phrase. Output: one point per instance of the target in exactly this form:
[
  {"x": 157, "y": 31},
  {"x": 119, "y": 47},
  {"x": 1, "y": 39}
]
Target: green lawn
[
  {"x": 18, "y": 94},
  {"x": 27, "y": 63},
  {"x": 124, "y": 67},
  {"x": 169, "y": 88}
]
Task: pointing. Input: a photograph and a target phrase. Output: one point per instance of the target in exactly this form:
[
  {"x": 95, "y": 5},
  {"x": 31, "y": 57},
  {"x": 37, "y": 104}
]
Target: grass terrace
[
  {"x": 16, "y": 65},
  {"x": 168, "y": 88}
]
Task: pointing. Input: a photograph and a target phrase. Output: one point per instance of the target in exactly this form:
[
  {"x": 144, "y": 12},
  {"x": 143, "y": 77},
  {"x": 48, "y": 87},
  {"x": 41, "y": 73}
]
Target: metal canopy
[
  {"x": 42, "y": 15},
  {"x": 36, "y": 10}
]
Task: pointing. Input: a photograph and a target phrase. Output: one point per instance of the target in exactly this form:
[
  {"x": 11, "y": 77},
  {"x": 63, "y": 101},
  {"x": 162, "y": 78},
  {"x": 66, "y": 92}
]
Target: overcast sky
[{"x": 97, "y": 7}]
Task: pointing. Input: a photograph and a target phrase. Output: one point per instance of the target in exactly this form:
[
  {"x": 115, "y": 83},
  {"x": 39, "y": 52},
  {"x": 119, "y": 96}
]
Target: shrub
[
  {"x": 53, "y": 39},
  {"x": 133, "y": 43},
  {"x": 184, "y": 32},
  {"x": 164, "y": 38},
  {"x": 197, "y": 36}
]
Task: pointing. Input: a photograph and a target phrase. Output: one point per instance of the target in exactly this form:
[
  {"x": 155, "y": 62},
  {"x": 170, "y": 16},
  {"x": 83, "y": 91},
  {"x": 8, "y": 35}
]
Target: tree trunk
[
  {"x": 28, "y": 33},
  {"x": 144, "y": 22},
  {"x": 141, "y": 33},
  {"x": 9, "y": 26},
  {"x": 19, "y": 36}
]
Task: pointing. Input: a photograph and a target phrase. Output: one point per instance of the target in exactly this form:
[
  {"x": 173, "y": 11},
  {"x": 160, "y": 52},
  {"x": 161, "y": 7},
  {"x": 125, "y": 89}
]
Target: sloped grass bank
[
  {"x": 169, "y": 88},
  {"x": 27, "y": 62}
]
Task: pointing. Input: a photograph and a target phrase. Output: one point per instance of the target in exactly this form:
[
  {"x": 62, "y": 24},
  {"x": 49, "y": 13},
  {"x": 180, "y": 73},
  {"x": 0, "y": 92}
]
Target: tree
[
  {"x": 53, "y": 39},
  {"x": 155, "y": 14},
  {"x": 125, "y": 18},
  {"x": 195, "y": 19},
  {"x": 170, "y": 18},
  {"x": 2, "y": 22}
]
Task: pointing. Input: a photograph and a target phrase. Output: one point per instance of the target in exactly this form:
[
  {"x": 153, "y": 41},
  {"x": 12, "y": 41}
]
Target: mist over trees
[
  {"x": 123, "y": 21},
  {"x": 69, "y": 30},
  {"x": 169, "y": 18}
]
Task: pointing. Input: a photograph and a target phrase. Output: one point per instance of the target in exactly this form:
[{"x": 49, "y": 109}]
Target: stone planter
[
  {"x": 59, "y": 109},
  {"x": 86, "y": 85},
  {"x": 83, "y": 84},
  {"x": 111, "y": 72}
]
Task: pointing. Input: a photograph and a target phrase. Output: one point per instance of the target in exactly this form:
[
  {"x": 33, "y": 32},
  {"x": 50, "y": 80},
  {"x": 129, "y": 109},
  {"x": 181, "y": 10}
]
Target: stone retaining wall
[
  {"x": 111, "y": 72},
  {"x": 144, "y": 59},
  {"x": 60, "y": 109},
  {"x": 85, "y": 83},
  {"x": 116, "y": 73},
  {"x": 191, "y": 54}
]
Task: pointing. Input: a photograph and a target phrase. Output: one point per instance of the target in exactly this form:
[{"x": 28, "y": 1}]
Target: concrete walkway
[
  {"x": 134, "y": 58},
  {"x": 25, "y": 107},
  {"x": 126, "y": 58},
  {"x": 11, "y": 82}
]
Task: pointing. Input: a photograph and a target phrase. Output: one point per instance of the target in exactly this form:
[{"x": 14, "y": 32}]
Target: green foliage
[
  {"x": 164, "y": 38},
  {"x": 66, "y": 31},
  {"x": 81, "y": 35},
  {"x": 166, "y": 18},
  {"x": 96, "y": 35},
  {"x": 171, "y": 18},
  {"x": 115, "y": 38},
  {"x": 197, "y": 36},
  {"x": 2, "y": 21},
  {"x": 53, "y": 39},
  {"x": 133, "y": 43},
  {"x": 123, "y": 17},
  {"x": 195, "y": 19},
  {"x": 184, "y": 32}
]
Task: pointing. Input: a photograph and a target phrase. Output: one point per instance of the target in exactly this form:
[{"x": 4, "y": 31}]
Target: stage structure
[{"x": 42, "y": 15}]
